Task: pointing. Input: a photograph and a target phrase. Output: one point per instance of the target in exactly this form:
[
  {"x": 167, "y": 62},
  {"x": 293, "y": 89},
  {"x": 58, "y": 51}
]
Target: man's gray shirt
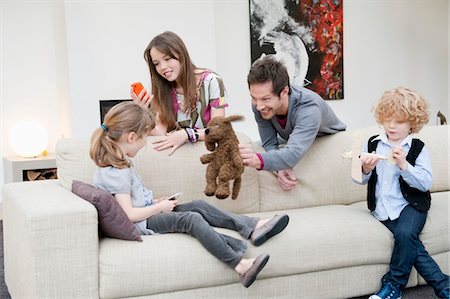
[{"x": 308, "y": 116}]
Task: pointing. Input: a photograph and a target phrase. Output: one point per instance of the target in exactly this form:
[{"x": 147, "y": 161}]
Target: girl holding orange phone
[{"x": 185, "y": 98}]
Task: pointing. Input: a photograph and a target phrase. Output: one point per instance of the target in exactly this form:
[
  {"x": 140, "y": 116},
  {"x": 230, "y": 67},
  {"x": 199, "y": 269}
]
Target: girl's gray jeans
[{"x": 197, "y": 218}]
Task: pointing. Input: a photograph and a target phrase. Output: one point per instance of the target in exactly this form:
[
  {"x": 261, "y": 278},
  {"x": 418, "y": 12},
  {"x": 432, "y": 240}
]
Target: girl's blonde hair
[
  {"x": 123, "y": 118},
  {"x": 173, "y": 46},
  {"x": 402, "y": 104}
]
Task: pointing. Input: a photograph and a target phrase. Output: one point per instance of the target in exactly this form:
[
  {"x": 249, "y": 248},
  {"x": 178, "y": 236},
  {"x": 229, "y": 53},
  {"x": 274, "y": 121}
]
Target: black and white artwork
[{"x": 307, "y": 35}]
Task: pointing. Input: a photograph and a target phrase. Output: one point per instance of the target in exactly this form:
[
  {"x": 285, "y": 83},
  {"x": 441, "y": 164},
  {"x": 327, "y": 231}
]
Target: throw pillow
[{"x": 112, "y": 220}]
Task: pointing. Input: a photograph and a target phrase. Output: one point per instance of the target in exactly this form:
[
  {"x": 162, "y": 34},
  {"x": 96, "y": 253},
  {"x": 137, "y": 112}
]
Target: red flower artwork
[{"x": 325, "y": 19}]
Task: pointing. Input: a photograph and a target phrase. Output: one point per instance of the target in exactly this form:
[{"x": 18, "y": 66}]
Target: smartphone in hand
[
  {"x": 175, "y": 196},
  {"x": 137, "y": 87}
]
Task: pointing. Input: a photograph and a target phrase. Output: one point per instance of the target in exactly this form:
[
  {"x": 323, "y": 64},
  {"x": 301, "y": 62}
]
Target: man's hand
[
  {"x": 287, "y": 179},
  {"x": 249, "y": 158}
]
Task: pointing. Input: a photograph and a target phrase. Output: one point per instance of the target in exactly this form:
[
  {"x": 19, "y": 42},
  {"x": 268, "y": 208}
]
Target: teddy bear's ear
[{"x": 234, "y": 118}]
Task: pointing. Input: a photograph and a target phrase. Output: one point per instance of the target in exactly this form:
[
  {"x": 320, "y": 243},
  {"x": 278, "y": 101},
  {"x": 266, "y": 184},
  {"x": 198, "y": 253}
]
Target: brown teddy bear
[{"x": 225, "y": 162}]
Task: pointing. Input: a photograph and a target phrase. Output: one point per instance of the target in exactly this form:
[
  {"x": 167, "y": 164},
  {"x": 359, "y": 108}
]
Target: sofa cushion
[
  {"x": 316, "y": 239},
  {"x": 73, "y": 161},
  {"x": 159, "y": 171},
  {"x": 321, "y": 176},
  {"x": 113, "y": 222},
  {"x": 436, "y": 225},
  {"x": 436, "y": 139}
]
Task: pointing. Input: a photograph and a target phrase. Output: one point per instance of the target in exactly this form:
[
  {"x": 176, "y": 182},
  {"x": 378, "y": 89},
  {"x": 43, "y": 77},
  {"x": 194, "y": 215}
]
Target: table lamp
[{"x": 28, "y": 139}]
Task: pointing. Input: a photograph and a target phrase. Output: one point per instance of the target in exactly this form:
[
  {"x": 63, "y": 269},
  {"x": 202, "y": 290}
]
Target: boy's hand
[
  {"x": 368, "y": 163},
  {"x": 400, "y": 157}
]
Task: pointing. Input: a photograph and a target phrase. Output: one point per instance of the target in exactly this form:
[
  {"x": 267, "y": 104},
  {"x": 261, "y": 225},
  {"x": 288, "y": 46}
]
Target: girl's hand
[
  {"x": 157, "y": 200},
  {"x": 287, "y": 179},
  {"x": 368, "y": 163},
  {"x": 172, "y": 140},
  {"x": 400, "y": 157},
  {"x": 143, "y": 99},
  {"x": 165, "y": 205}
]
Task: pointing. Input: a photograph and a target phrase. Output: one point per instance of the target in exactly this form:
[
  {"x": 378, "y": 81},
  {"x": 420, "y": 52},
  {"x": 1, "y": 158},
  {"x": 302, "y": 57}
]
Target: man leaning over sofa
[{"x": 296, "y": 114}]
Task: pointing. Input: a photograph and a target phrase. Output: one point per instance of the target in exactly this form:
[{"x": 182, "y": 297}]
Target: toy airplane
[{"x": 355, "y": 154}]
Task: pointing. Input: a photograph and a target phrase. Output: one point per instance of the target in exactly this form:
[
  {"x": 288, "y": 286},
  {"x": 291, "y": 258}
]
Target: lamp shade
[{"x": 28, "y": 139}]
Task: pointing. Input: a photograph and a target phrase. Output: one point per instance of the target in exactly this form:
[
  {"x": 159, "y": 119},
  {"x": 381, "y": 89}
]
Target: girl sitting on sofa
[{"x": 119, "y": 138}]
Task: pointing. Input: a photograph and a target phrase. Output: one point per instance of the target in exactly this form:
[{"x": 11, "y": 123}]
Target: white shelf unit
[{"x": 14, "y": 167}]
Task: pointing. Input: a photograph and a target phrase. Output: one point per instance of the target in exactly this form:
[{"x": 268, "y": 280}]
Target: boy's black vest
[{"x": 419, "y": 200}]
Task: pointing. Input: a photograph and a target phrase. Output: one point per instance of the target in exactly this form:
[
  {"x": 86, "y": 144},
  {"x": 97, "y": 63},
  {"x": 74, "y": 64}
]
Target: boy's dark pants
[{"x": 409, "y": 251}]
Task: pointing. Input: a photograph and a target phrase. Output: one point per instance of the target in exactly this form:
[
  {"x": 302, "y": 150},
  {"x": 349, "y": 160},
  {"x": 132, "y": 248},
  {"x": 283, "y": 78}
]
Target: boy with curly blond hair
[{"x": 398, "y": 191}]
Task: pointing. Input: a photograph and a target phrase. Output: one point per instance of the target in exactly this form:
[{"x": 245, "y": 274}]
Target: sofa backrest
[
  {"x": 325, "y": 176},
  {"x": 163, "y": 174}
]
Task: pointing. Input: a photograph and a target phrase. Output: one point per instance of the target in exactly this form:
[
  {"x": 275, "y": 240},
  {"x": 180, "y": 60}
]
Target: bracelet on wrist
[
  {"x": 188, "y": 134},
  {"x": 195, "y": 135},
  {"x": 192, "y": 134}
]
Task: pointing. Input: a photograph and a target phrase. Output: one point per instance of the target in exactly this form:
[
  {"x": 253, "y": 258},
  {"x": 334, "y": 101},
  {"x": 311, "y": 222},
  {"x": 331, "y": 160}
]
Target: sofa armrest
[{"x": 50, "y": 242}]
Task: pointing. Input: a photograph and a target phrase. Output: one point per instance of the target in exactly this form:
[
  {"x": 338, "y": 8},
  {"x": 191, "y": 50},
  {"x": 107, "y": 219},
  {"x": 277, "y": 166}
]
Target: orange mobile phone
[{"x": 137, "y": 87}]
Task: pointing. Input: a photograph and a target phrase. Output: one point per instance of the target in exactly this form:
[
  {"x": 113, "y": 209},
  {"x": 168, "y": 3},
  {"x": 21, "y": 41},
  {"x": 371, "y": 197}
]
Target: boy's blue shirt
[{"x": 389, "y": 198}]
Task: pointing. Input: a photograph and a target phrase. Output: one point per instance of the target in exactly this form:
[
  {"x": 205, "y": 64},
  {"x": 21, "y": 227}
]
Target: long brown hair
[
  {"x": 172, "y": 45},
  {"x": 123, "y": 118}
]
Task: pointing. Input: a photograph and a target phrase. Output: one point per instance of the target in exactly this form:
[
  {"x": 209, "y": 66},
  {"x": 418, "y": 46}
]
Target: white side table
[{"x": 15, "y": 167}]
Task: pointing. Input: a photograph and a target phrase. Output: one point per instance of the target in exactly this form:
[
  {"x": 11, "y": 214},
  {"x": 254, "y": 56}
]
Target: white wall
[
  {"x": 106, "y": 42},
  {"x": 58, "y": 58},
  {"x": 391, "y": 43},
  {"x": 386, "y": 44},
  {"x": 34, "y": 74}
]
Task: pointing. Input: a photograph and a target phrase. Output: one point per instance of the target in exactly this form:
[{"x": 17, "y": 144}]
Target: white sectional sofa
[{"x": 332, "y": 247}]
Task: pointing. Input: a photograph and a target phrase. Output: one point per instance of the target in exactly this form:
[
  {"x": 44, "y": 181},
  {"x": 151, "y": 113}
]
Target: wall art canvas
[{"x": 307, "y": 35}]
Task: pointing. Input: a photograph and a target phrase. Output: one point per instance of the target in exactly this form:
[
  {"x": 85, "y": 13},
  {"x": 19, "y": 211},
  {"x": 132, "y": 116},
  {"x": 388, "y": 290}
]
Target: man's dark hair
[{"x": 268, "y": 69}]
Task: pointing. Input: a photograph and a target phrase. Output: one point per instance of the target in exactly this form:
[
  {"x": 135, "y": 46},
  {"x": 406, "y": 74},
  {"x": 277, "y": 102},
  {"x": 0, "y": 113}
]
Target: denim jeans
[
  {"x": 409, "y": 251},
  {"x": 197, "y": 219}
]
